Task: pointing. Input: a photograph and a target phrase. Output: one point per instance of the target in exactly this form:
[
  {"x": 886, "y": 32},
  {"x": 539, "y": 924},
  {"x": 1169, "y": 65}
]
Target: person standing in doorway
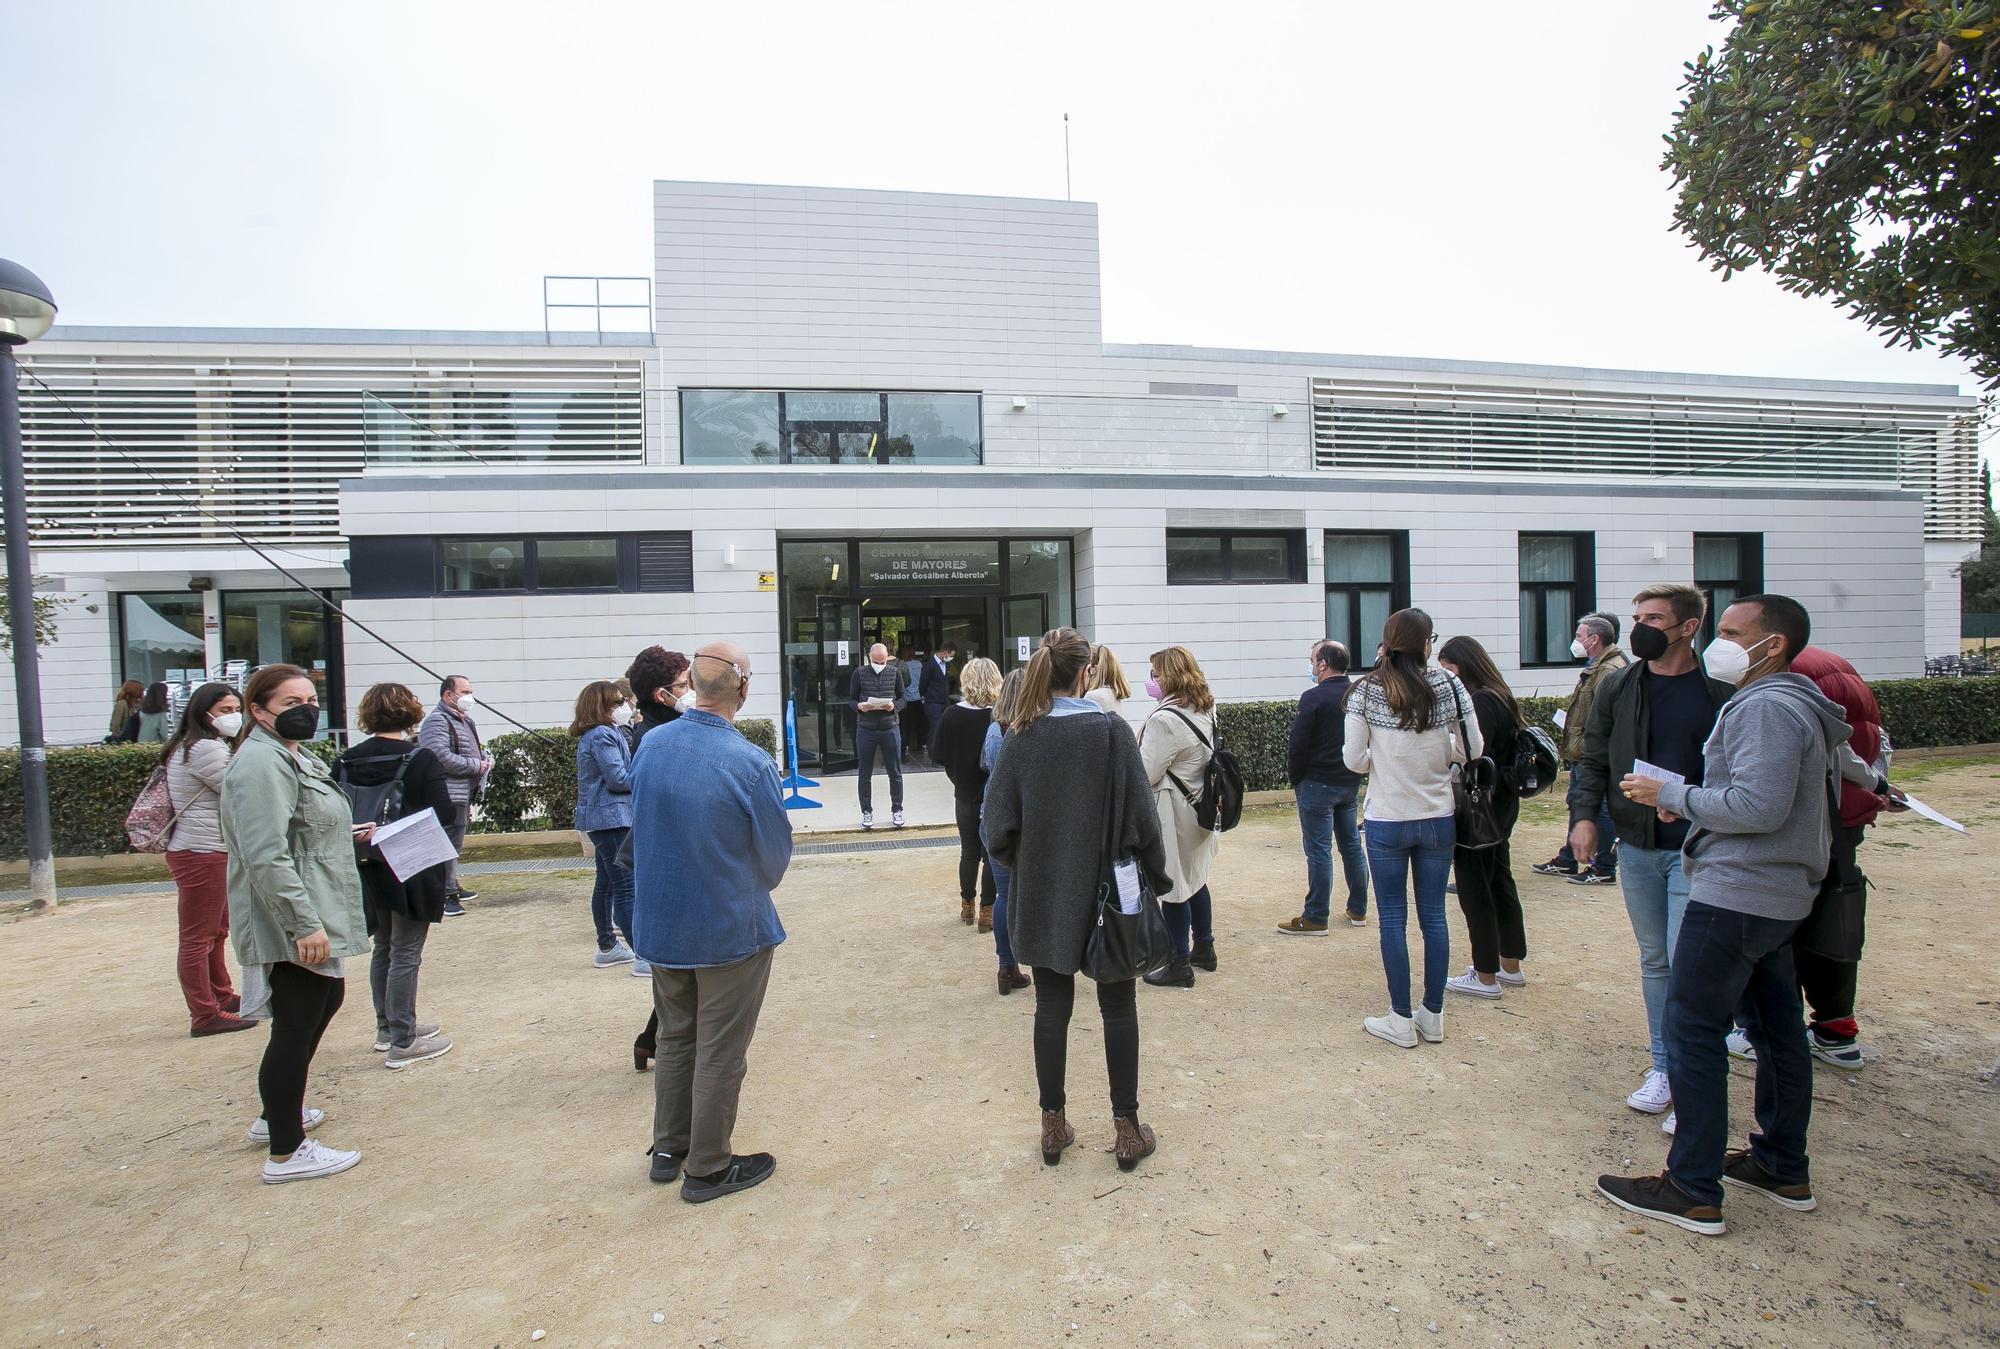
[
  {"x": 935, "y": 688},
  {"x": 1327, "y": 792},
  {"x": 1487, "y": 895},
  {"x": 1760, "y": 841},
  {"x": 711, "y": 840},
  {"x": 1175, "y": 744},
  {"x": 911, "y": 717},
  {"x": 960, "y": 739},
  {"x": 877, "y": 694},
  {"x": 1596, "y": 644},
  {"x": 1659, "y": 710},
  {"x": 450, "y": 733}
]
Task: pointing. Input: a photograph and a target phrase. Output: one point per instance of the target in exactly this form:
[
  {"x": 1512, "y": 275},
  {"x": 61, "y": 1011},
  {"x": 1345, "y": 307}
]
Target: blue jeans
[
  {"x": 1735, "y": 963},
  {"x": 1197, "y": 915},
  {"x": 1326, "y": 818},
  {"x": 1003, "y": 880},
  {"x": 1607, "y": 833},
  {"x": 889, "y": 743},
  {"x": 611, "y": 896},
  {"x": 1401, "y": 852},
  {"x": 1656, "y": 894}
]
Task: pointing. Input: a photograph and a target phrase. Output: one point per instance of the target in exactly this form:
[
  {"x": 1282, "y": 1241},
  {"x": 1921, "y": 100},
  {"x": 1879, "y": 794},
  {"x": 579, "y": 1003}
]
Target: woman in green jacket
[{"x": 294, "y": 904}]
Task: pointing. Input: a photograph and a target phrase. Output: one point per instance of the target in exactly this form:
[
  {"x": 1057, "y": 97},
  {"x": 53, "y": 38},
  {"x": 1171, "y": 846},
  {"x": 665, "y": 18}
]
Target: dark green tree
[
  {"x": 1852, "y": 149},
  {"x": 1979, "y": 577}
]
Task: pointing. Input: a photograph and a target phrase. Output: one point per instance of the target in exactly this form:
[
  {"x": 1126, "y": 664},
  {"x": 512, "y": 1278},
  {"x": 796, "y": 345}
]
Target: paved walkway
[{"x": 927, "y": 803}]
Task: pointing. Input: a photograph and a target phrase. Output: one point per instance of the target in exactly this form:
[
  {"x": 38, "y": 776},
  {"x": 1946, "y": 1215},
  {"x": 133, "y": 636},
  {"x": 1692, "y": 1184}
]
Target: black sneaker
[
  {"x": 1553, "y": 868},
  {"x": 740, "y": 1174},
  {"x": 1740, "y": 1168},
  {"x": 1594, "y": 877},
  {"x": 1658, "y": 1197},
  {"x": 666, "y": 1168},
  {"x": 452, "y": 908},
  {"x": 464, "y": 895}
]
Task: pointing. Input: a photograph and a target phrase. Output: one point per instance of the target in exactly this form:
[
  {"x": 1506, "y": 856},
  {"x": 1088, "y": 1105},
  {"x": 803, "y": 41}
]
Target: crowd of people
[{"x": 1724, "y": 791}]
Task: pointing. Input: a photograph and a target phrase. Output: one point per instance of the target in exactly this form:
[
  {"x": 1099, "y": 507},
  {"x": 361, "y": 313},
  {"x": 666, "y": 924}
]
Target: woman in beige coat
[{"x": 1176, "y": 742}]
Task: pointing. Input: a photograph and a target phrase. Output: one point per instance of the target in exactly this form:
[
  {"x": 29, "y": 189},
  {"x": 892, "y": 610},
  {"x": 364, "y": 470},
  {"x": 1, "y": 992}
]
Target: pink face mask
[{"x": 1153, "y": 689}]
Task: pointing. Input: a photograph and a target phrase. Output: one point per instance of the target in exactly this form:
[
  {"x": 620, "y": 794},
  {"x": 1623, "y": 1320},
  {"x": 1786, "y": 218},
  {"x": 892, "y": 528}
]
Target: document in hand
[
  {"x": 1561, "y": 719},
  {"x": 1642, "y": 769},
  {"x": 413, "y": 843},
  {"x": 1933, "y": 816}
]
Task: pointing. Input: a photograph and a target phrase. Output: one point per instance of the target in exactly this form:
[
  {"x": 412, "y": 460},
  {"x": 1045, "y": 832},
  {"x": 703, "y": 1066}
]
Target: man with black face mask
[{"x": 1659, "y": 710}]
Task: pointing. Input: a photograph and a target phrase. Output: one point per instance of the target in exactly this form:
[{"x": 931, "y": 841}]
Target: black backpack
[
  {"x": 1219, "y": 805},
  {"x": 1532, "y": 766},
  {"x": 374, "y": 803}
]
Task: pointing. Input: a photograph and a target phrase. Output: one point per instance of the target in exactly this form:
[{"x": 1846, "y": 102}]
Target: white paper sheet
[
  {"x": 413, "y": 843},
  {"x": 1128, "y": 886},
  {"x": 1642, "y": 769},
  {"x": 1561, "y": 719},
  {"x": 1933, "y": 816}
]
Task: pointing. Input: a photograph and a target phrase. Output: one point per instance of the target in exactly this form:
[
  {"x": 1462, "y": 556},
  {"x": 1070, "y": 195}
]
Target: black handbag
[
  {"x": 1475, "y": 790},
  {"x": 1122, "y": 946},
  {"x": 1837, "y": 925}
]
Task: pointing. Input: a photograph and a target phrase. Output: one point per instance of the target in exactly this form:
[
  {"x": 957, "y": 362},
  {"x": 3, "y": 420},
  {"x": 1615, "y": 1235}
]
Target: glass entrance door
[
  {"x": 838, "y": 651},
  {"x": 1023, "y": 617}
]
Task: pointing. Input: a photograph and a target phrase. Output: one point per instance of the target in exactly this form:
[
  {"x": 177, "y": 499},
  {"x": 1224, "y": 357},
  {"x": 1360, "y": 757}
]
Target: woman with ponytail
[
  {"x": 1409, "y": 725},
  {"x": 1044, "y": 804}
]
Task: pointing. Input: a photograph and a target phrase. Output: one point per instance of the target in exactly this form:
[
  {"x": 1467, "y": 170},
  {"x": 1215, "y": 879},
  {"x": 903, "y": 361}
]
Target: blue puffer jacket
[{"x": 603, "y": 780}]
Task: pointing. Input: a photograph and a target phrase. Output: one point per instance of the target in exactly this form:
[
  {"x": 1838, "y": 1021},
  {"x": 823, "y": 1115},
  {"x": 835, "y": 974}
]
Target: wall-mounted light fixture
[
  {"x": 1020, "y": 403},
  {"x": 1279, "y": 410},
  {"x": 729, "y": 555},
  {"x": 1659, "y": 552}
]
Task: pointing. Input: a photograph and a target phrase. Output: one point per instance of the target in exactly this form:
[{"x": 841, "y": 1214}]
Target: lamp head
[{"x": 26, "y": 308}]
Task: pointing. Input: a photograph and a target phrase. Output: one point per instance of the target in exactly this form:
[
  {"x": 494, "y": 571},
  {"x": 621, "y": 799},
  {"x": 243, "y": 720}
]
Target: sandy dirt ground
[{"x": 1313, "y": 1185}]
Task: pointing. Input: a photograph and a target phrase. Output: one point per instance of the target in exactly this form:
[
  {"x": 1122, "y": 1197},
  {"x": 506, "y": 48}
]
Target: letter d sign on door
[{"x": 1021, "y": 649}]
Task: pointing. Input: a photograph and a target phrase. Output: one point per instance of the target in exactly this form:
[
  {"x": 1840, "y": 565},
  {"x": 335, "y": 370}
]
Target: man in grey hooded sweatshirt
[{"x": 1759, "y": 847}]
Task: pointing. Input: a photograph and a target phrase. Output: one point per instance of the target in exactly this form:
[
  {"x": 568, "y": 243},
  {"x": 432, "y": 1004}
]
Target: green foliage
[
  {"x": 533, "y": 783},
  {"x": 47, "y": 608},
  {"x": 1979, "y": 576},
  {"x": 91, "y": 790},
  {"x": 1927, "y": 712},
  {"x": 1852, "y": 148},
  {"x": 1257, "y": 734}
]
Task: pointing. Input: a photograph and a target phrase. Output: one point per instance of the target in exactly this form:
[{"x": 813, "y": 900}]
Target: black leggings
[
  {"x": 971, "y": 854},
  {"x": 302, "y": 1003},
  {"x": 1055, "y": 996},
  {"x": 1492, "y": 906}
]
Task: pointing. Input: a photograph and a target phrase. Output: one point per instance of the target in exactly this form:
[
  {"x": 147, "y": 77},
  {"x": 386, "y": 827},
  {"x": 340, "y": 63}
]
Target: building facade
[{"x": 878, "y": 415}]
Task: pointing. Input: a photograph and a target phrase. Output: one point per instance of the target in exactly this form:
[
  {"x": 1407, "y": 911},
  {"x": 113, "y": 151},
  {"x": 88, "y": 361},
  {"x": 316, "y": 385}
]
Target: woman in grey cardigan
[
  {"x": 1043, "y": 804},
  {"x": 294, "y": 904}
]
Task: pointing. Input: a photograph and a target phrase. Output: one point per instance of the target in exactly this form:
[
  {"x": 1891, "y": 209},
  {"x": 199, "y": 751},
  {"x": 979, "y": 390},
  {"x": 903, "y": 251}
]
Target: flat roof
[{"x": 342, "y": 337}]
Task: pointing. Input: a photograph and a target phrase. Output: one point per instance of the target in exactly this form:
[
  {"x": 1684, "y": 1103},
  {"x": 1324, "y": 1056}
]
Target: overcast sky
[{"x": 1460, "y": 179}]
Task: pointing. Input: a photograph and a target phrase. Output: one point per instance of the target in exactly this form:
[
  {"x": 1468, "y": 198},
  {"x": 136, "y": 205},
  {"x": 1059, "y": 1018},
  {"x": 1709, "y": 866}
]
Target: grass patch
[{"x": 1917, "y": 770}]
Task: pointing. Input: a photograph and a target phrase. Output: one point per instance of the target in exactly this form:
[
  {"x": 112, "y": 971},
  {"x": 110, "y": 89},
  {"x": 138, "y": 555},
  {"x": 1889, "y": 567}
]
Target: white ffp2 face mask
[
  {"x": 466, "y": 702},
  {"x": 1576, "y": 649},
  {"x": 622, "y": 714},
  {"x": 685, "y": 703},
  {"x": 227, "y": 725},
  {"x": 1728, "y": 661}
]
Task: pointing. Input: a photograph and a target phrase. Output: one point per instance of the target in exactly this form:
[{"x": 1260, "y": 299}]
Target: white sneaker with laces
[
  {"x": 1667, "y": 1124},
  {"x": 867, "y": 819},
  {"x": 1430, "y": 1024},
  {"x": 260, "y": 1132},
  {"x": 896, "y": 819},
  {"x": 1654, "y": 1094},
  {"x": 310, "y": 1162},
  {"x": 640, "y": 969},
  {"x": 1472, "y": 985},
  {"x": 1513, "y": 978},
  {"x": 1738, "y": 1045},
  {"x": 421, "y": 1029},
  {"x": 1397, "y": 1030}
]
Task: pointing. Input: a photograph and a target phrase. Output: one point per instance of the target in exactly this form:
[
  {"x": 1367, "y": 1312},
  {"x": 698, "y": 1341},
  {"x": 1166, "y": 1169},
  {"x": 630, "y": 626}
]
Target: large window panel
[
  {"x": 1726, "y": 568},
  {"x": 1261, "y": 558},
  {"x": 576, "y": 564},
  {"x": 829, "y": 426},
  {"x": 484, "y": 564},
  {"x": 729, "y": 426},
  {"x": 159, "y": 634},
  {"x": 934, "y": 428},
  {"x": 1042, "y": 566},
  {"x": 1367, "y": 579},
  {"x": 1195, "y": 559},
  {"x": 1558, "y": 586}
]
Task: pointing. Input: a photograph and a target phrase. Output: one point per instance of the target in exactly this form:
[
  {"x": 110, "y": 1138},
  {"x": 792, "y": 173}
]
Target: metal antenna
[{"x": 1066, "y": 196}]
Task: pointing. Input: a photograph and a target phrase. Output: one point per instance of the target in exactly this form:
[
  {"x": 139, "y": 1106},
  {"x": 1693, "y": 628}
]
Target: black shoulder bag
[
  {"x": 1474, "y": 787},
  {"x": 373, "y": 804},
  {"x": 1121, "y": 945},
  {"x": 1836, "y": 926}
]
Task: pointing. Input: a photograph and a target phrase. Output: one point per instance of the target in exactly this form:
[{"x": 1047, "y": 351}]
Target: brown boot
[
  {"x": 1135, "y": 1141},
  {"x": 1056, "y": 1135},
  {"x": 1011, "y": 978},
  {"x": 965, "y": 912},
  {"x": 985, "y": 917}
]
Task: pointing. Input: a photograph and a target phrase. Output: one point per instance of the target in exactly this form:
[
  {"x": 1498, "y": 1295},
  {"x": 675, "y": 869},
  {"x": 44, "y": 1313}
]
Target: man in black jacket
[
  {"x": 1657, "y": 711},
  {"x": 877, "y": 694},
  {"x": 934, "y": 687},
  {"x": 1326, "y": 790}
]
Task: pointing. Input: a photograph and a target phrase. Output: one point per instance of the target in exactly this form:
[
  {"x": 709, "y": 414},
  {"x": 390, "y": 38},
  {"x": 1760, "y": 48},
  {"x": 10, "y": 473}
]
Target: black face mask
[
  {"x": 1649, "y": 642},
  {"x": 296, "y": 723}
]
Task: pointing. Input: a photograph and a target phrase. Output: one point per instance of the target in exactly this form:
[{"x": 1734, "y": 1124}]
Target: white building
[{"x": 886, "y": 414}]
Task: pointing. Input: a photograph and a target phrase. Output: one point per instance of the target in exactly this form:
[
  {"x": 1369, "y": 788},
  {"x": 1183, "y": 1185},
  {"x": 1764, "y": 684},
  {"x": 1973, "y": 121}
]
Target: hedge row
[
  {"x": 91, "y": 788},
  {"x": 534, "y": 778}
]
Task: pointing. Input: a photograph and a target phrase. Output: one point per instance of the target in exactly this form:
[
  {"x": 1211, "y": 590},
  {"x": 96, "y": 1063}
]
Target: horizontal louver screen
[
  {"x": 666, "y": 562},
  {"x": 1572, "y": 433}
]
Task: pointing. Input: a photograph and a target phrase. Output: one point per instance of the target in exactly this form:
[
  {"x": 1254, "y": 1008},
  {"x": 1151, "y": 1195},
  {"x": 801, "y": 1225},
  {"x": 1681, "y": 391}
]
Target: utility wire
[{"x": 195, "y": 505}]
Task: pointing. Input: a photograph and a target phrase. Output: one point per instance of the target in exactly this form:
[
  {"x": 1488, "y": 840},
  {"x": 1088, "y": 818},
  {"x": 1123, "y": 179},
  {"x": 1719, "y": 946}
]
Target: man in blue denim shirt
[{"x": 710, "y": 842}]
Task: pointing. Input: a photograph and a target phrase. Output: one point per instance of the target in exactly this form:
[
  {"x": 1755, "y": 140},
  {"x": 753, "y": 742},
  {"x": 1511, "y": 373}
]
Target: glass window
[
  {"x": 485, "y": 564},
  {"x": 729, "y": 426},
  {"x": 1042, "y": 567},
  {"x": 933, "y": 428},
  {"x": 576, "y": 564},
  {"x": 1557, "y": 588},
  {"x": 833, "y": 406},
  {"x": 1363, "y": 559},
  {"x": 1194, "y": 559},
  {"x": 1367, "y": 579},
  {"x": 1234, "y": 559},
  {"x": 1726, "y": 568},
  {"x": 160, "y": 634},
  {"x": 287, "y": 627},
  {"x": 1259, "y": 558}
]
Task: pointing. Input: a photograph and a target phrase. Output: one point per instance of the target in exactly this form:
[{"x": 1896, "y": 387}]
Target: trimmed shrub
[
  {"x": 533, "y": 783},
  {"x": 91, "y": 790},
  {"x": 1928, "y": 712},
  {"x": 1258, "y": 734}
]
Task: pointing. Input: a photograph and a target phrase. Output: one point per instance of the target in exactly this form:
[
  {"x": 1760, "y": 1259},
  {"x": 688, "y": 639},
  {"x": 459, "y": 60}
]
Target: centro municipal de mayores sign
[{"x": 930, "y": 564}]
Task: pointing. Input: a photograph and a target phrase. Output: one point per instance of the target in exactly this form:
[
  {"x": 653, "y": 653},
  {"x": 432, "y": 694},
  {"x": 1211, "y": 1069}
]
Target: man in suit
[{"x": 934, "y": 686}]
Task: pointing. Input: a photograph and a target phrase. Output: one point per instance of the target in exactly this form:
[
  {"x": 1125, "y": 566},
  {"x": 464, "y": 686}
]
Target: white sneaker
[
  {"x": 1470, "y": 983},
  {"x": 1430, "y": 1024},
  {"x": 1738, "y": 1045},
  {"x": 617, "y": 955},
  {"x": 430, "y": 1047},
  {"x": 867, "y": 819},
  {"x": 260, "y": 1132},
  {"x": 640, "y": 969},
  {"x": 1667, "y": 1124},
  {"x": 896, "y": 818},
  {"x": 1654, "y": 1094},
  {"x": 1397, "y": 1030},
  {"x": 310, "y": 1162},
  {"x": 1516, "y": 979},
  {"x": 418, "y": 1032}
]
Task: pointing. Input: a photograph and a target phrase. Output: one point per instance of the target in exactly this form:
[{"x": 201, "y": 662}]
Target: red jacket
[{"x": 1839, "y": 681}]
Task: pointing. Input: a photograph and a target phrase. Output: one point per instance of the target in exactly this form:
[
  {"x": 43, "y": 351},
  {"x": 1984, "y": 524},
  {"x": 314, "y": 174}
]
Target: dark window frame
[
  {"x": 1583, "y": 591},
  {"x": 1749, "y": 578},
  {"x": 1397, "y": 586},
  {"x": 1295, "y": 555},
  {"x": 627, "y": 564}
]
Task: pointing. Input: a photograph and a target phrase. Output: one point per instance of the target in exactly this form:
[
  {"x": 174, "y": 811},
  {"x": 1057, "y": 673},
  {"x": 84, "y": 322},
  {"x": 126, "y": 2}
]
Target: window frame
[
  {"x": 626, "y": 555},
  {"x": 835, "y": 427},
  {"x": 1398, "y": 585},
  {"x": 1749, "y": 578},
  {"x": 1582, "y": 588},
  {"x": 1295, "y": 555}
]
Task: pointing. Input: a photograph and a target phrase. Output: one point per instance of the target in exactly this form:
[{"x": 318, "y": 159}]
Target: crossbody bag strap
[{"x": 1192, "y": 799}]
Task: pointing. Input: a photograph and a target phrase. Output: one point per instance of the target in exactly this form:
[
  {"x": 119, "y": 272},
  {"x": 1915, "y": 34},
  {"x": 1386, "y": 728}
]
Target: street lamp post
[{"x": 26, "y": 311}]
